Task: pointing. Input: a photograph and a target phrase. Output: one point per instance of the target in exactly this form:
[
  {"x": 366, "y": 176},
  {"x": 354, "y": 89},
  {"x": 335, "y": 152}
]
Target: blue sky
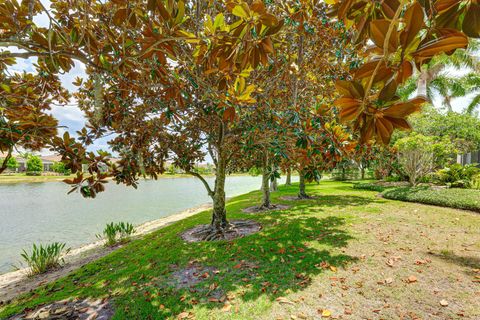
[{"x": 72, "y": 118}]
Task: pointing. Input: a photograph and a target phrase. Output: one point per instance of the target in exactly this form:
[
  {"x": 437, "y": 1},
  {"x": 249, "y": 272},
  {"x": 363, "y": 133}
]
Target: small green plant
[
  {"x": 458, "y": 176},
  {"x": 44, "y": 257},
  {"x": 59, "y": 167},
  {"x": 476, "y": 182},
  {"x": 115, "y": 233}
]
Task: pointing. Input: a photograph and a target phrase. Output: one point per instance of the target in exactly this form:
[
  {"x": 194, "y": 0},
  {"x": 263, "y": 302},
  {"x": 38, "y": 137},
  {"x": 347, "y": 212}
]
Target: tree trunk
[
  {"x": 302, "y": 193},
  {"x": 219, "y": 214},
  {"x": 362, "y": 172},
  {"x": 265, "y": 187},
  {"x": 273, "y": 183},
  {"x": 288, "y": 182},
  {"x": 4, "y": 162}
]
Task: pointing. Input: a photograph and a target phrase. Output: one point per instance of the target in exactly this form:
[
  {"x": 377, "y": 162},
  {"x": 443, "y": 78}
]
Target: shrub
[
  {"x": 59, "y": 167},
  {"x": 453, "y": 198},
  {"x": 393, "y": 179},
  {"x": 115, "y": 233},
  {"x": 369, "y": 187},
  {"x": 12, "y": 163},
  {"x": 419, "y": 155},
  {"x": 34, "y": 164},
  {"x": 33, "y": 173},
  {"x": 44, "y": 258},
  {"x": 458, "y": 176},
  {"x": 476, "y": 182}
]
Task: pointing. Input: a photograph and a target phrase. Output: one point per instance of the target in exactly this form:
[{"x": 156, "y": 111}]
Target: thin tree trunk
[
  {"x": 265, "y": 184},
  {"x": 362, "y": 172},
  {"x": 219, "y": 214},
  {"x": 288, "y": 182},
  {"x": 302, "y": 194},
  {"x": 4, "y": 162},
  {"x": 273, "y": 183}
]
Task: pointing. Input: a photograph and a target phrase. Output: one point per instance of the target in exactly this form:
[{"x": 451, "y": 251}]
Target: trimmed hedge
[
  {"x": 369, "y": 187},
  {"x": 468, "y": 199}
]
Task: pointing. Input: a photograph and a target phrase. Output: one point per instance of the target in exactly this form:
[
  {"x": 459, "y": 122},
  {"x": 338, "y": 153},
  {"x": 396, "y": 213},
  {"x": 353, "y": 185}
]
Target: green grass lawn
[{"x": 345, "y": 252}]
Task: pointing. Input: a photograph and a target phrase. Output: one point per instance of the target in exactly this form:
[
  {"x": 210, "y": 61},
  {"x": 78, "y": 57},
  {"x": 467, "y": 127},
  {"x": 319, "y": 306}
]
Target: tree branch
[
  {"x": 5, "y": 161},
  {"x": 212, "y": 155},
  {"x": 205, "y": 183}
]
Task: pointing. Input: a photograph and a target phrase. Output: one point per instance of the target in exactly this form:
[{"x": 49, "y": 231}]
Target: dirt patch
[
  {"x": 69, "y": 310},
  {"x": 296, "y": 198},
  {"x": 237, "y": 229},
  {"x": 273, "y": 207},
  {"x": 191, "y": 275}
]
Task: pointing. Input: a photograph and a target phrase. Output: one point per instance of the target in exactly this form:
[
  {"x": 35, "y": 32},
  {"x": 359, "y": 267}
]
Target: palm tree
[
  {"x": 432, "y": 80},
  {"x": 472, "y": 84}
]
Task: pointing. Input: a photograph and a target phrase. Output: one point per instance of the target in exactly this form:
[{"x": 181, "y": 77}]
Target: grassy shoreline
[{"x": 346, "y": 252}]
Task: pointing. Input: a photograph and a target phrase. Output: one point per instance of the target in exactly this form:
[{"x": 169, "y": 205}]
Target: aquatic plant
[
  {"x": 115, "y": 233},
  {"x": 43, "y": 258}
]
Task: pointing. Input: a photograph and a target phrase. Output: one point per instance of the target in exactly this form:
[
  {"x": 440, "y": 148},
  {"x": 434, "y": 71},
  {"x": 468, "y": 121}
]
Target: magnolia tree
[
  {"x": 315, "y": 49},
  {"x": 224, "y": 44}
]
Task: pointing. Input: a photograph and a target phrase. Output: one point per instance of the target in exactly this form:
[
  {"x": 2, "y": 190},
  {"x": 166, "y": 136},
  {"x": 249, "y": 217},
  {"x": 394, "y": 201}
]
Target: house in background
[
  {"x": 47, "y": 161},
  {"x": 469, "y": 158}
]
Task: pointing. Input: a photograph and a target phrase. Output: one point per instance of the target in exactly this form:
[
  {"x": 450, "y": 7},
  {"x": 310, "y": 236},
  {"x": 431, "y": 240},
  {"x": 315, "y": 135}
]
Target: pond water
[{"x": 43, "y": 212}]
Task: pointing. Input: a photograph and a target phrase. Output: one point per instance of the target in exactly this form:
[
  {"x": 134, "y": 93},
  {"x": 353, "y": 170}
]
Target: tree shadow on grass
[
  {"x": 279, "y": 260},
  {"x": 463, "y": 261},
  {"x": 330, "y": 201}
]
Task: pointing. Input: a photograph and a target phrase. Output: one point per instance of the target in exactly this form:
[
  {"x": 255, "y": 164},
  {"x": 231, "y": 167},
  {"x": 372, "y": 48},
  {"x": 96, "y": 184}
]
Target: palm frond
[{"x": 474, "y": 104}]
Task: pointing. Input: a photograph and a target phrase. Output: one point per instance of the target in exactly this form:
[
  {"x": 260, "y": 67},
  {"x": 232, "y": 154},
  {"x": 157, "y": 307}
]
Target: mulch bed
[
  {"x": 273, "y": 207},
  {"x": 70, "y": 310},
  {"x": 240, "y": 228}
]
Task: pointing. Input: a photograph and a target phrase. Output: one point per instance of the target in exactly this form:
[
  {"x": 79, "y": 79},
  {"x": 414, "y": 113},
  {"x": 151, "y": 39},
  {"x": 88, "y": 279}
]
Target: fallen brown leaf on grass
[
  {"x": 227, "y": 307},
  {"x": 284, "y": 300},
  {"x": 411, "y": 279},
  {"x": 185, "y": 315},
  {"x": 444, "y": 303},
  {"x": 391, "y": 261},
  {"x": 325, "y": 313}
]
